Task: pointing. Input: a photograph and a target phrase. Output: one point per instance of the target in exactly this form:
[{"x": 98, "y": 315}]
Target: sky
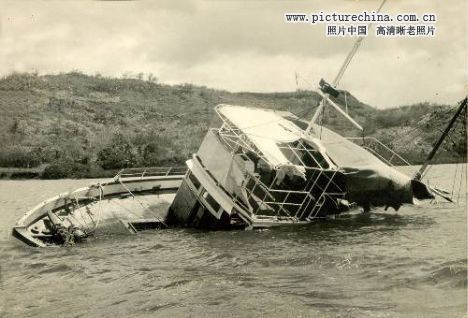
[{"x": 238, "y": 46}]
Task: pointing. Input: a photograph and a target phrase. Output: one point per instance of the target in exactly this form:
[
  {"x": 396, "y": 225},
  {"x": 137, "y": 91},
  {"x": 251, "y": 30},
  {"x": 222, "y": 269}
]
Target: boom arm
[{"x": 338, "y": 77}]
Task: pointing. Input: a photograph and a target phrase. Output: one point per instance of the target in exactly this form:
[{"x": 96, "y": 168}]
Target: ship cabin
[{"x": 258, "y": 169}]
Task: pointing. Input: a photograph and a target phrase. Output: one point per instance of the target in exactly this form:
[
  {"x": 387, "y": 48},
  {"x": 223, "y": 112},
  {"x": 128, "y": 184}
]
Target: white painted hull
[{"x": 116, "y": 206}]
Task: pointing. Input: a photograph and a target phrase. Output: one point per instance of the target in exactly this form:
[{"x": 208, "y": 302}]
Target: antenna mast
[{"x": 338, "y": 76}]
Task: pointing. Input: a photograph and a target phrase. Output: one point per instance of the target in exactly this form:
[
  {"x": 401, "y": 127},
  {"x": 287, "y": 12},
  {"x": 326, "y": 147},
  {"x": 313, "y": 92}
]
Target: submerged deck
[{"x": 121, "y": 205}]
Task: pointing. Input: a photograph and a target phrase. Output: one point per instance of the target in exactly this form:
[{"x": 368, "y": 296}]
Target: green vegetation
[{"x": 78, "y": 125}]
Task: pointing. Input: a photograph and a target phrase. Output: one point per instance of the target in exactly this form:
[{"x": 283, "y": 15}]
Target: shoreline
[{"x": 9, "y": 173}]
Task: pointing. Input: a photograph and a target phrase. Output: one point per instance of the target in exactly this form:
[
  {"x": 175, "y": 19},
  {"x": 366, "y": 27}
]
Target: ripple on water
[
  {"x": 449, "y": 274},
  {"x": 384, "y": 264}
]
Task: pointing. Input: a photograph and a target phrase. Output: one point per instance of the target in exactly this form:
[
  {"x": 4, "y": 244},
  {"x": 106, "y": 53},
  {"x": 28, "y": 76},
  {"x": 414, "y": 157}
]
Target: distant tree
[
  {"x": 119, "y": 154},
  {"x": 152, "y": 78},
  {"x": 14, "y": 127},
  {"x": 19, "y": 157}
]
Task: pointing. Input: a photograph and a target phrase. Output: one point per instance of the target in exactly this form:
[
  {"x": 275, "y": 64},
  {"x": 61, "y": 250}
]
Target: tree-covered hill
[{"x": 79, "y": 125}]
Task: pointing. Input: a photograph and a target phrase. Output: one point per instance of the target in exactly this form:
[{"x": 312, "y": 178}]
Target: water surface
[{"x": 410, "y": 263}]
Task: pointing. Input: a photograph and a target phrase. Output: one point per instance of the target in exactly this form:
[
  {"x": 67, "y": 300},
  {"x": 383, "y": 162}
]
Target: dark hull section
[{"x": 187, "y": 211}]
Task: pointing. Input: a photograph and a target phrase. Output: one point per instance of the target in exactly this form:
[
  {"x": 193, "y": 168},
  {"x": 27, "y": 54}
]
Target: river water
[{"x": 410, "y": 263}]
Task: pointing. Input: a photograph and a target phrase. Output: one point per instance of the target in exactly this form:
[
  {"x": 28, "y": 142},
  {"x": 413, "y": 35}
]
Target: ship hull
[{"x": 119, "y": 206}]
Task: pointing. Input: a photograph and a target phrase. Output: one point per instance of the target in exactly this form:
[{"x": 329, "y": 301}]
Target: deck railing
[
  {"x": 151, "y": 172},
  {"x": 380, "y": 150}
]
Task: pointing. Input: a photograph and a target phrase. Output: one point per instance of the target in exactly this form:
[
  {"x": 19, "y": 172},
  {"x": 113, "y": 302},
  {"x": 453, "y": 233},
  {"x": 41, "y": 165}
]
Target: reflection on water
[{"x": 384, "y": 264}]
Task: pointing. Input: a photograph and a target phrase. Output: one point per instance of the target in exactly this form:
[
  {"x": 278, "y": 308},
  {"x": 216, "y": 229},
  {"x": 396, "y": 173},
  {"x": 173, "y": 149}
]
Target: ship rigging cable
[{"x": 340, "y": 74}]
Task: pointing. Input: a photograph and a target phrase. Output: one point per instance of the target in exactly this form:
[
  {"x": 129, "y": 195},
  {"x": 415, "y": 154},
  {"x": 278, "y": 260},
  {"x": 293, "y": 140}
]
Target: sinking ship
[
  {"x": 260, "y": 168},
  {"x": 264, "y": 168}
]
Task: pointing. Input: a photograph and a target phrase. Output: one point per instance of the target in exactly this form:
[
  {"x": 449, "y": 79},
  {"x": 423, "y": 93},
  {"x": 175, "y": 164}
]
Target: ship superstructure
[{"x": 263, "y": 168}]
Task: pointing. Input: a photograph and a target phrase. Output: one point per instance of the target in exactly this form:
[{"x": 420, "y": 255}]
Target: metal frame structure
[{"x": 272, "y": 201}]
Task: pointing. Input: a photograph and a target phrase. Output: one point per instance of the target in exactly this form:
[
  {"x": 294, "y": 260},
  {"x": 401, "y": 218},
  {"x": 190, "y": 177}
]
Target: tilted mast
[
  {"x": 431, "y": 155},
  {"x": 326, "y": 96}
]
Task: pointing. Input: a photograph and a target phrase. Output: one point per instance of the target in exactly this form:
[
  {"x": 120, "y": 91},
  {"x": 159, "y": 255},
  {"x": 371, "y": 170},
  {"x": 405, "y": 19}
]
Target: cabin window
[
  {"x": 196, "y": 184},
  {"x": 211, "y": 202},
  {"x": 303, "y": 154},
  {"x": 313, "y": 158}
]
